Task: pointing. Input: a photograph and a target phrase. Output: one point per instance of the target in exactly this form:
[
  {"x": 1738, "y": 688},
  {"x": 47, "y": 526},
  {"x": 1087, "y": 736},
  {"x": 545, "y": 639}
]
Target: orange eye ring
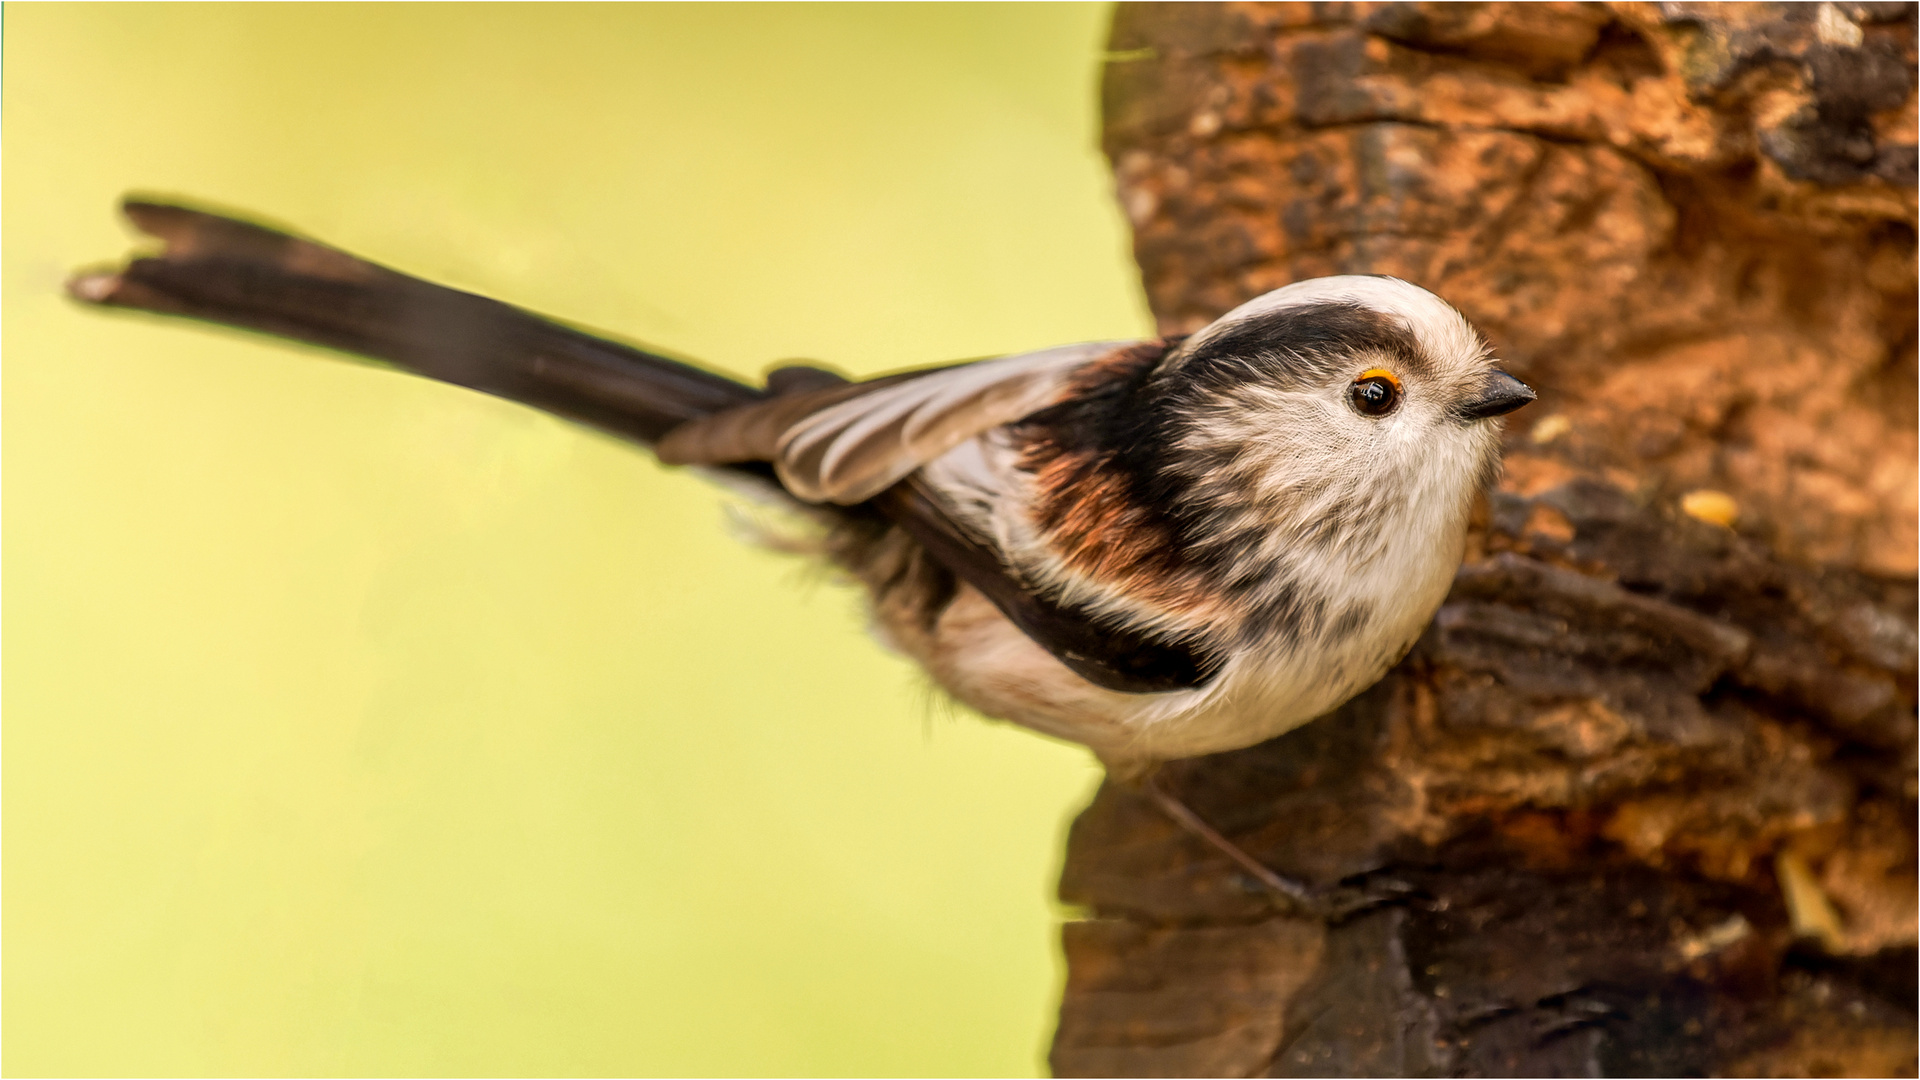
[{"x": 1375, "y": 392}]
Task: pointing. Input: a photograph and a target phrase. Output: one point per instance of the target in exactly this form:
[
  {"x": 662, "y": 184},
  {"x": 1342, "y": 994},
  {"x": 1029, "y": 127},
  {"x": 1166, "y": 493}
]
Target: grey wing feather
[
  {"x": 732, "y": 436},
  {"x": 846, "y": 444}
]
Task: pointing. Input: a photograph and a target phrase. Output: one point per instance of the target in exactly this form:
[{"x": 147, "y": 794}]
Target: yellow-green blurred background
[{"x": 358, "y": 724}]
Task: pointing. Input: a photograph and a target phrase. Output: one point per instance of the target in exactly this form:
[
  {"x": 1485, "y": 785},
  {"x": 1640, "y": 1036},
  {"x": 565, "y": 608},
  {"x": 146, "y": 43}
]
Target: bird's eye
[{"x": 1375, "y": 392}]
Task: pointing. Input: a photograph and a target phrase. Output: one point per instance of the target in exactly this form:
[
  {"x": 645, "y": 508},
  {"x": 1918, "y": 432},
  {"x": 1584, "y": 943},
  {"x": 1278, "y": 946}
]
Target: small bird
[{"x": 1158, "y": 549}]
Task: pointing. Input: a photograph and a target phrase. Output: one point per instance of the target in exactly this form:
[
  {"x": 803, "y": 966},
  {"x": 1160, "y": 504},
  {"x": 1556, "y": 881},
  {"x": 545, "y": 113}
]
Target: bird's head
[{"x": 1330, "y": 403}]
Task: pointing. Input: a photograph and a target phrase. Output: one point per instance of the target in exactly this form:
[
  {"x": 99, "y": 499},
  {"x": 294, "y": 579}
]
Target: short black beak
[{"x": 1499, "y": 395}]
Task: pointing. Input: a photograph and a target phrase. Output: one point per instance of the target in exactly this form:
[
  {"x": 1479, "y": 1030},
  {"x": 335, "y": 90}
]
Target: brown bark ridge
[{"x": 1651, "y": 774}]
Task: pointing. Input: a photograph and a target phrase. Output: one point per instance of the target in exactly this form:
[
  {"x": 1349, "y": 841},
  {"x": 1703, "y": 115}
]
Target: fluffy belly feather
[{"x": 975, "y": 654}]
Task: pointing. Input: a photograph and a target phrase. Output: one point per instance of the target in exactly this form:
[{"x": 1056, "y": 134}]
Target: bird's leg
[
  {"x": 1295, "y": 892},
  {"x": 1330, "y": 904}
]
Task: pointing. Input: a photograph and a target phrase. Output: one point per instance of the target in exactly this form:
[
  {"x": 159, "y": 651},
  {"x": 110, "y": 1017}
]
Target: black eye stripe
[{"x": 1300, "y": 346}]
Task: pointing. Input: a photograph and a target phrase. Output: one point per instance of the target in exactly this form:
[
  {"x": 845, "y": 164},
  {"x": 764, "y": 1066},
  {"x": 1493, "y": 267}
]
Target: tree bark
[{"x": 1651, "y": 773}]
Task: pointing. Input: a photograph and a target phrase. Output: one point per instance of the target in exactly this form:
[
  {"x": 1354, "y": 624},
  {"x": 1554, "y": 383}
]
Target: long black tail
[{"x": 227, "y": 271}]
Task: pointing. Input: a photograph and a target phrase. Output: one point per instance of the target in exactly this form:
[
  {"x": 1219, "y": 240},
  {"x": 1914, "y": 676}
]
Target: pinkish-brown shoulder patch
[{"x": 1084, "y": 504}]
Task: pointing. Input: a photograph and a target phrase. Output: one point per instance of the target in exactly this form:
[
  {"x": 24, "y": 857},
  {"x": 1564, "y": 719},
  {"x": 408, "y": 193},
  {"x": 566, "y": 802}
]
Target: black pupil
[{"x": 1374, "y": 396}]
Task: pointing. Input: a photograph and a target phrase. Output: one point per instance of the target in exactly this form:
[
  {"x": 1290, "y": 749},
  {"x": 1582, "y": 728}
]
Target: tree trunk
[{"x": 1651, "y": 773}]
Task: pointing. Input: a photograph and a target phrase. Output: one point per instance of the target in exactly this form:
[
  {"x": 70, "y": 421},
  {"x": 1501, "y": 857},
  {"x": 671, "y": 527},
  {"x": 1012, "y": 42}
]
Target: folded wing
[{"x": 845, "y": 444}]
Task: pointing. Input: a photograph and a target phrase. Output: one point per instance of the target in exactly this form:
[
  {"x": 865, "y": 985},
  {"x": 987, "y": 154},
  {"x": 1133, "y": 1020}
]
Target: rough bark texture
[{"x": 1652, "y": 771}]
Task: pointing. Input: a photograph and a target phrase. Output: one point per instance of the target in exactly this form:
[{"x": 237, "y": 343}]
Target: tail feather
[{"x": 222, "y": 270}]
